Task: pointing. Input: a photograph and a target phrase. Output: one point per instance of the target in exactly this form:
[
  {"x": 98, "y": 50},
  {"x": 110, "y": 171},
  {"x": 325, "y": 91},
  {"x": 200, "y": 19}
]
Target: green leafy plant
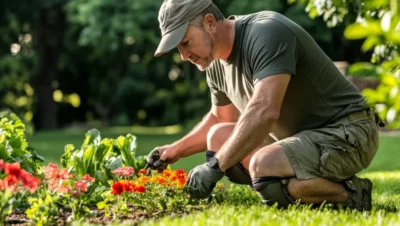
[
  {"x": 43, "y": 211},
  {"x": 377, "y": 22},
  {"x": 98, "y": 157},
  {"x": 13, "y": 144}
]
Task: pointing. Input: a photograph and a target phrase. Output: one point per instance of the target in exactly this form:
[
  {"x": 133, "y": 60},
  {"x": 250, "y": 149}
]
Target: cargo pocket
[
  {"x": 334, "y": 161},
  {"x": 367, "y": 137}
]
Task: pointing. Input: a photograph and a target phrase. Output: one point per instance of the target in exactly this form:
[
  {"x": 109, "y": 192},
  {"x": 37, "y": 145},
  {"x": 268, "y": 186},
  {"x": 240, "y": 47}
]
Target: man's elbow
[{"x": 267, "y": 116}]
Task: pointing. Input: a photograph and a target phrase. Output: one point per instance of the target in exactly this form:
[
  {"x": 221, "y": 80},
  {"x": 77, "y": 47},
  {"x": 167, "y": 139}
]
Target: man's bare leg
[
  {"x": 271, "y": 161},
  {"x": 218, "y": 135}
]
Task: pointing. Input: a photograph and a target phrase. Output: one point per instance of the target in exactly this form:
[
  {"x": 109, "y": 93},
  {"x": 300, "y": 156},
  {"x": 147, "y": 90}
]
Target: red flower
[
  {"x": 142, "y": 171},
  {"x": 30, "y": 182},
  {"x": 14, "y": 174},
  {"x": 180, "y": 172},
  {"x": 140, "y": 189},
  {"x": 88, "y": 178},
  {"x": 124, "y": 171},
  {"x": 117, "y": 188},
  {"x": 81, "y": 186},
  {"x": 13, "y": 169}
]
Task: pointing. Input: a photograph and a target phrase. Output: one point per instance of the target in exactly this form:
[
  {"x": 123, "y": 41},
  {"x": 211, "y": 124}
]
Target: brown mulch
[{"x": 19, "y": 218}]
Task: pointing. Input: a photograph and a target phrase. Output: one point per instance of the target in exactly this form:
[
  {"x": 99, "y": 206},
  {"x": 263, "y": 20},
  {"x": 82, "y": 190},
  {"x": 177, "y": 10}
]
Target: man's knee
[
  {"x": 260, "y": 163},
  {"x": 218, "y": 134},
  {"x": 270, "y": 161}
]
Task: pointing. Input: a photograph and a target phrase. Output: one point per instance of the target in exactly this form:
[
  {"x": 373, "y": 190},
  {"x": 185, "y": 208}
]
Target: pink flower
[
  {"x": 124, "y": 171},
  {"x": 88, "y": 178}
]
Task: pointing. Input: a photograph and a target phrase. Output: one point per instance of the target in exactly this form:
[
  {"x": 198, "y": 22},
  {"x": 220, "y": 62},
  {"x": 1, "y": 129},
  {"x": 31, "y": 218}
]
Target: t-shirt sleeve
[
  {"x": 272, "y": 49},
  {"x": 218, "y": 97}
]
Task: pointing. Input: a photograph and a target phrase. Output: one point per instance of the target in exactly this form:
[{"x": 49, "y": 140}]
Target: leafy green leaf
[
  {"x": 124, "y": 145},
  {"x": 114, "y": 163},
  {"x": 87, "y": 160},
  {"x": 3, "y": 152},
  {"x": 359, "y": 31},
  {"x": 370, "y": 43},
  {"x": 92, "y": 137},
  {"x": 66, "y": 157}
]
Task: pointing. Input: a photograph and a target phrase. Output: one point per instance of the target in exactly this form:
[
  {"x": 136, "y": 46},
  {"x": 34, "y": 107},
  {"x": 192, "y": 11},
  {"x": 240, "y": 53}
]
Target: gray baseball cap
[{"x": 174, "y": 17}]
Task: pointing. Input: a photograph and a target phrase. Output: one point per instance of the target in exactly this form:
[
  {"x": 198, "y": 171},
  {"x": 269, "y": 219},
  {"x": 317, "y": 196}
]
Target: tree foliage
[{"x": 377, "y": 23}]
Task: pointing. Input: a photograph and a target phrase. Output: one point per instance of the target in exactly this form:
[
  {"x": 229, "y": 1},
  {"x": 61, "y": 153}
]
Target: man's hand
[
  {"x": 160, "y": 157},
  {"x": 202, "y": 180}
]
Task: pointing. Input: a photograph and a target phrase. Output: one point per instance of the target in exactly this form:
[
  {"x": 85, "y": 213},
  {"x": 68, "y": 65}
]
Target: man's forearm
[
  {"x": 250, "y": 131},
  {"x": 196, "y": 140}
]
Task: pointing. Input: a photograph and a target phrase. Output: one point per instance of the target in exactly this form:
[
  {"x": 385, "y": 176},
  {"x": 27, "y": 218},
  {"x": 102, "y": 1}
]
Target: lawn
[{"x": 384, "y": 172}]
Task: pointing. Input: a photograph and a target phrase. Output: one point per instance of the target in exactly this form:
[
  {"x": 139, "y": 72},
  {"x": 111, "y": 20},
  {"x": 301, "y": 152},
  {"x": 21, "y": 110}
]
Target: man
[{"x": 283, "y": 119}]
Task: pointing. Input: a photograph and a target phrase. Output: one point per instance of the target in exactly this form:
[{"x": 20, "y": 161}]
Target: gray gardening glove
[
  {"x": 154, "y": 162},
  {"x": 202, "y": 180}
]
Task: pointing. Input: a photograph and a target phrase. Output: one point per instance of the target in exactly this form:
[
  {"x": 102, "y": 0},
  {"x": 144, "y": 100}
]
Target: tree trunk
[{"x": 51, "y": 25}]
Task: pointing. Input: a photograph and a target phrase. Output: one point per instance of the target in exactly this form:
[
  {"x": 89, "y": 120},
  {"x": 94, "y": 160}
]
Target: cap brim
[{"x": 172, "y": 39}]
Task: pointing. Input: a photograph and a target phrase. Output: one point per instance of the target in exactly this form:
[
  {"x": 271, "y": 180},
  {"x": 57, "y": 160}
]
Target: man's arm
[
  {"x": 196, "y": 140},
  {"x": 254, "y": 125}
]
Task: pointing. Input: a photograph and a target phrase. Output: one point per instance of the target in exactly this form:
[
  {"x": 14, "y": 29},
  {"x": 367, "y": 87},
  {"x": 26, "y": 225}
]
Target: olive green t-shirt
[{"x": 267, "y": 43}]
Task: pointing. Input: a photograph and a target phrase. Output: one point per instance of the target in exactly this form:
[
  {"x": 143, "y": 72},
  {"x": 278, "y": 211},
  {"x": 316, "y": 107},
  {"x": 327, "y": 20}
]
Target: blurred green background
[{"x": 70, "y": 65}]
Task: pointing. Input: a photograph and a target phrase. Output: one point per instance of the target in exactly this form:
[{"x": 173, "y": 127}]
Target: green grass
[{"x": 384, "y": 171}]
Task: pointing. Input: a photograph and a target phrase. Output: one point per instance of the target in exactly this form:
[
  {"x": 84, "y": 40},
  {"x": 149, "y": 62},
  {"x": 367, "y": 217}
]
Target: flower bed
[{"x": 102, "y": 181}]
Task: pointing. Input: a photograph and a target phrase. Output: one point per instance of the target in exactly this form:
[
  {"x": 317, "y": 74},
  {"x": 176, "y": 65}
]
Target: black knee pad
[
  {"x": 236, "y": 174},
  {"x": 273, "y": 190}
]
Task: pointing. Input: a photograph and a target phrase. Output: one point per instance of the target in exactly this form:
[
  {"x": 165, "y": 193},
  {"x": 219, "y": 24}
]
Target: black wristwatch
[{"x": 213, "y": 163}]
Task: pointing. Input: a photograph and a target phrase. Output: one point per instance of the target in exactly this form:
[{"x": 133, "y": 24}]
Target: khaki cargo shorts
[{"x": 337, "y": 151}]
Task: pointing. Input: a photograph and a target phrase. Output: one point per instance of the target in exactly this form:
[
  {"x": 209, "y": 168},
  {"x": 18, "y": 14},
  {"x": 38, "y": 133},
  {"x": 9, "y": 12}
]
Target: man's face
[{"x": 197, "y": 46}]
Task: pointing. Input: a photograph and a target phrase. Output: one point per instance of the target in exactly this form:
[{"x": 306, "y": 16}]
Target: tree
[{"x": 378, "y": 24}]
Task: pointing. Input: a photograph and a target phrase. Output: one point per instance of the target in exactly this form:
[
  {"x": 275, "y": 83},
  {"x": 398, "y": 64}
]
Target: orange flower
[
  {"x": 143, "y": 180},
  {"x": 161, "y": 180},
  {"x": 166, "y": 173}
]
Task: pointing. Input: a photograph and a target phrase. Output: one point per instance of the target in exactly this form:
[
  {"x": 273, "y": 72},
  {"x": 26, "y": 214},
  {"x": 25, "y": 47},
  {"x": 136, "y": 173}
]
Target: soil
[{"x": 19, "y": 218}]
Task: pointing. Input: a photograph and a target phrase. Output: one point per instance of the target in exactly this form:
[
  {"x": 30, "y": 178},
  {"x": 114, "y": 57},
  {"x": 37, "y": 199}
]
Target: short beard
[{"x": 210, "y": 45}]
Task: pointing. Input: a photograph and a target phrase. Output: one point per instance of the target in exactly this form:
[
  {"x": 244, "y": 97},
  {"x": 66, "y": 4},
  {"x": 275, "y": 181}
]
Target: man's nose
[{"x": 184, "y": 53}]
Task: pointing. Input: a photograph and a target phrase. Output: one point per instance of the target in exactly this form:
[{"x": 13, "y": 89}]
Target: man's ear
[{"x": 209, "y": 22}]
